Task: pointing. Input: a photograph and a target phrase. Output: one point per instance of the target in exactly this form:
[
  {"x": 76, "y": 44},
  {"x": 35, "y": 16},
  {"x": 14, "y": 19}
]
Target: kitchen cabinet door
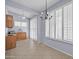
[
  {"x": 9, "y": 21},
  {"x": 21, "y": 35},
  {"x": 10, "y": 42}
]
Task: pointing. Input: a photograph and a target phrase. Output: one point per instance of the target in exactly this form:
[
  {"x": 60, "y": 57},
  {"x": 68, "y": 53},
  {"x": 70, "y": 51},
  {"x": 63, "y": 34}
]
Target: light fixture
[
  {"x": 45, "y": 13},
  {"x": 41, "y": 12},
  {"x": 23, "y": 17}
]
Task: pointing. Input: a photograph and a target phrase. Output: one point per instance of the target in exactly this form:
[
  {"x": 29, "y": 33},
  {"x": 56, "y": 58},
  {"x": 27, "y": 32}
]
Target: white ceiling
[
  {"x": 30, "y": 8},
  {"x": 21, "y": 12},
  {"x": 38, "y": 5}
]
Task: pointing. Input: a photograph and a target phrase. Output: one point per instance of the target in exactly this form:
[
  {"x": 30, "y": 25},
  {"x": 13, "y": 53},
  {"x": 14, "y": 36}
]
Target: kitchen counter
[{"x": 21, "y": 35}]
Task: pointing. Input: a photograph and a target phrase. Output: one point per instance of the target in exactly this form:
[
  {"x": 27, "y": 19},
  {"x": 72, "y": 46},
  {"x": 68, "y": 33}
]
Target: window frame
[{"x": 70, "y": 42}]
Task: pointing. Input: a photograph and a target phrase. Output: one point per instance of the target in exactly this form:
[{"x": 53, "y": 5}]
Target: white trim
[
  {"x": 59, "y": 50},
  {"x": 61, "y": 6},
  {"x": 64, "y": 41}
]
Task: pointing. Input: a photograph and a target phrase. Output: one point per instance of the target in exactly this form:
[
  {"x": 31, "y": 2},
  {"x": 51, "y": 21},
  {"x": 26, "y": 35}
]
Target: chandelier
[{"x": 45, "y": 13}]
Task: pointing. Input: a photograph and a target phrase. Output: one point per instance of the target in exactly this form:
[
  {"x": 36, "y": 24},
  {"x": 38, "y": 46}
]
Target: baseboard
[{"x": 59, "y": 50}]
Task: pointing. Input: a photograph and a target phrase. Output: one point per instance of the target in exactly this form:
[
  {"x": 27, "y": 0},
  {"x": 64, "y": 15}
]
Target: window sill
[{"x": 63, "y": 41}]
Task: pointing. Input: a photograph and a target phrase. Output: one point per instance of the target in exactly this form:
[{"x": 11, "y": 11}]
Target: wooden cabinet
[
  {"x": 9, "y": 21},
  {"x": 21, "y": 35},
  {"x": 10, "y": 42}
]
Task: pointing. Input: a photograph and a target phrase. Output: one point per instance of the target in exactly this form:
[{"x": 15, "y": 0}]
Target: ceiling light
[
  {"x": 41, "y": 12},
  {"x": 45, "y": 13},
  {"x": 23, "y": 17}
]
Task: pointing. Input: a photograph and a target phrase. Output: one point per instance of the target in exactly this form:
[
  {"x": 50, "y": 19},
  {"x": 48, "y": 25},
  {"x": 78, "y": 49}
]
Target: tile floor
[{"x": 29, "y": 49}]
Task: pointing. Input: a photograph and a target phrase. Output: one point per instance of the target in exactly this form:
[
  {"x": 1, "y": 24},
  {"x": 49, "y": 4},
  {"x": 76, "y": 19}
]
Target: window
[
  {"x": 55, "y": 25},
  {"x": 59, "y": 27},
  {"x": 52, "y": 25},
  {"x": 20, "y": 24},
  {"x": 33, "y": 28},
  {"x": 47, "y": 28},
  {"x": 17, "y": 23},
  {"x": 24, "y": 24},
  {"x": 68, "y": 22},
  {"x": 59, "y": 24}
]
